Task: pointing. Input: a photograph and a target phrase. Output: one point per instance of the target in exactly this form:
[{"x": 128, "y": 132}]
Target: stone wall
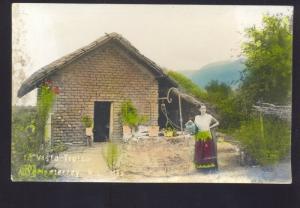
[
  {"x": 158, "y": 157},
  {"x": 108, "y": 73}
]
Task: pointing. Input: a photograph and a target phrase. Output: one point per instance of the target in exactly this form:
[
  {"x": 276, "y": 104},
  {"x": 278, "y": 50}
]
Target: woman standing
[{"x": 205, "y": 157}]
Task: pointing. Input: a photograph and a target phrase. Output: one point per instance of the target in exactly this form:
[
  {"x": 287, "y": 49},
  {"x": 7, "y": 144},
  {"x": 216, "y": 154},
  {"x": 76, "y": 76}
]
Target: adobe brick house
[{"x": 95, "y": 80}]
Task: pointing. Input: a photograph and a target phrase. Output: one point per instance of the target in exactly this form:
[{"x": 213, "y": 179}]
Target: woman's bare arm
[{"x": 215, "y": 122}]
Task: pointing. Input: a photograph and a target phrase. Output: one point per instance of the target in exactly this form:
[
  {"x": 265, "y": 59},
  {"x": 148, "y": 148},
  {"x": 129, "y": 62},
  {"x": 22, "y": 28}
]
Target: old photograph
[{"x": 151, "y": 93}]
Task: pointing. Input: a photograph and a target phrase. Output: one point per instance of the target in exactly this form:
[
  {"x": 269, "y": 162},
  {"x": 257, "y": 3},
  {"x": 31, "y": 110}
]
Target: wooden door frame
[
  {"x": 111, "y": 117},
  {"x": 111, "y": 121}
]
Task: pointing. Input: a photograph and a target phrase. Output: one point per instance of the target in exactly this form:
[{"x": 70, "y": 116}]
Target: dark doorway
[{"x": 101, "y": 121}]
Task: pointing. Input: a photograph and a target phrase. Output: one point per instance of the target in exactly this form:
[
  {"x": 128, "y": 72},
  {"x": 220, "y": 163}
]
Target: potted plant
[
  {"x": 130, "y": 119},
  {"x": 88, "y": 124},
  {"x": 169, "y": 131}
]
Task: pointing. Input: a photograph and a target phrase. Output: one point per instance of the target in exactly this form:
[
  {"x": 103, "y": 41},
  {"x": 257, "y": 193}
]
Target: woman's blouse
[{"x": 203, "y": 122}]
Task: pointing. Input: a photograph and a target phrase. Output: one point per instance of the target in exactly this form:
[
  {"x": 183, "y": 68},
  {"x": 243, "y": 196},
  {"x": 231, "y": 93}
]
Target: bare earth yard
[{"x": 161, "y": 160}]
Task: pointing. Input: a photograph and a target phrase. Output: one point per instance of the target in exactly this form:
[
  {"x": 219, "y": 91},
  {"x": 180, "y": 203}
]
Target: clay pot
[
  {"x": 153, "y": 131},
  {"x": 127, "y": 132},
  {"x": 89, "y": 131}
]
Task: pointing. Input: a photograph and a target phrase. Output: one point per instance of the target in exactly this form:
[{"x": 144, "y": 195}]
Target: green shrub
[
  {"x": 129, "y": 115},
  {"x": 111, "y": 155},
  {"x": 87, "y": 121},
  {"x": 58, "y": 147},
  {"x": 23, "y": 136},
  {"x": 27, "y": 155},
  {"x": 267, "y": 140},
  {"x": 230, "y": 113},
  {"x": 229, "y": 108},
  {"x": 29, "y": 147}
]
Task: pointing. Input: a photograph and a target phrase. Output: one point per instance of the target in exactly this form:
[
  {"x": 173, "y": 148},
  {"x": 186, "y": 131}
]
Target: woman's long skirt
[{"x": 205, "y": 157}]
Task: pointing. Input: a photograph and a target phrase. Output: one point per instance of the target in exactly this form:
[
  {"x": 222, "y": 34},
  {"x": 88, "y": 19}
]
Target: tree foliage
[
  {"x": 224, "y": 98},
  {"x": 218, "y": 91},
  {"x": 267, "y": 76}
]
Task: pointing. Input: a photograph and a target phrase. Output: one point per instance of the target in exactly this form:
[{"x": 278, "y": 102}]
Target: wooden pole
[
  {"x": 261, "y": 125},
  {"x": 180, "y": 113}
]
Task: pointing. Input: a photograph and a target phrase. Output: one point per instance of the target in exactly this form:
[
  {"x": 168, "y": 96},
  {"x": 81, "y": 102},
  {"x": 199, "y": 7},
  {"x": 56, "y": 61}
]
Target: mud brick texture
[{"x": 105, "y": 74}]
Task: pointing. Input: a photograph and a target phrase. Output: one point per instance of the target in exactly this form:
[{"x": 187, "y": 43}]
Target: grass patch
[
  {"x": 267, "y": 140},
  {"x": 188, "y": 85}
]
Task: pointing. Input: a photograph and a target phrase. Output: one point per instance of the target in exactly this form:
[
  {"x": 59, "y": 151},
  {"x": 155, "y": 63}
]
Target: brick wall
[{"x": 105, "y": 74}]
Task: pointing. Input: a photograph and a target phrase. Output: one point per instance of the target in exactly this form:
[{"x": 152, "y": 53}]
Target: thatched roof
[
  {"x": 36, "y": 78},
  {"x": 39, "y": 76}
]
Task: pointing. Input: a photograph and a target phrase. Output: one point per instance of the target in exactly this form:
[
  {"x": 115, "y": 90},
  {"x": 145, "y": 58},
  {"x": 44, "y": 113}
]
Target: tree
[
  {"x": 267, "y": 76},
  {"x": 223, "y": 97},
  {"x": 218, "y": 91},
  {"x": 20, "y": 59}
]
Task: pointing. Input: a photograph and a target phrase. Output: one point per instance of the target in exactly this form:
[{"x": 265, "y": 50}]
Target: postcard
[{"x": 151, "y": 93}]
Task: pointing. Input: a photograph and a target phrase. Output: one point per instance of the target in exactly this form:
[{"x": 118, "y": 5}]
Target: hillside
[{"x": 223, "y": 71}]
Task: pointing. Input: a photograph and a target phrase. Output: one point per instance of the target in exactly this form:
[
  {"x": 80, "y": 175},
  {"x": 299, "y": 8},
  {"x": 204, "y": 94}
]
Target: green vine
[{"x": 46, "y": 98}]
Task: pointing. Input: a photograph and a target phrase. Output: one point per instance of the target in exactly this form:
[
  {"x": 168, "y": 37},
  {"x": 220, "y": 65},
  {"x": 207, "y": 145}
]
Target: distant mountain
[{"x": 223, "y": 71}]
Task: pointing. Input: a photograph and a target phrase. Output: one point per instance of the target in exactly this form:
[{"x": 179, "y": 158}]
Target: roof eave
[{"x": 36, "y": 78}]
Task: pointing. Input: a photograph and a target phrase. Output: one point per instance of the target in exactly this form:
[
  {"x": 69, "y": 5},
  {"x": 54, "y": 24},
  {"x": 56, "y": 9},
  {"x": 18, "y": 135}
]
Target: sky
[{"x": 178, "y": 37}]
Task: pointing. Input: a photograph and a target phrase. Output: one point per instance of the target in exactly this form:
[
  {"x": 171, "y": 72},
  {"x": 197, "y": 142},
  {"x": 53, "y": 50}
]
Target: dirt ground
[{"x": 161, "y": 160}]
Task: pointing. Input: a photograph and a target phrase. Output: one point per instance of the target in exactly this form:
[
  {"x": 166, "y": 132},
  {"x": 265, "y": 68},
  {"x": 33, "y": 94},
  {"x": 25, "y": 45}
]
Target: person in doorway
[{"x": 205, "y": 156}]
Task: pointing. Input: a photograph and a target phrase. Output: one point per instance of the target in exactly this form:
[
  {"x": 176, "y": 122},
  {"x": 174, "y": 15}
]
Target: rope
[{"x": 169, "y": 121}]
